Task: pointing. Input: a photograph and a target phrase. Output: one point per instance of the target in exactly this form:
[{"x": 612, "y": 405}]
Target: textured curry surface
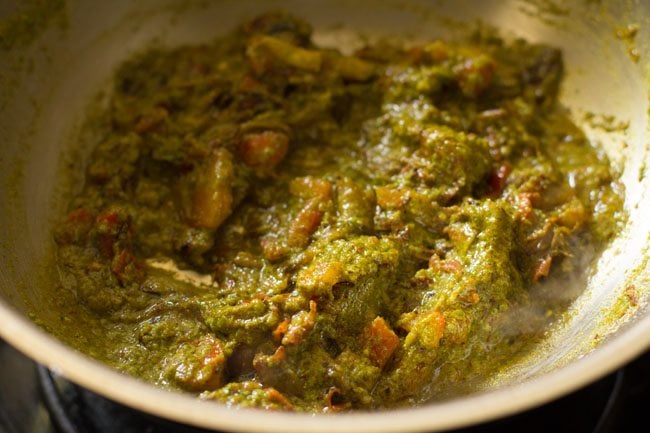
[{"x": 268, "y": 223}]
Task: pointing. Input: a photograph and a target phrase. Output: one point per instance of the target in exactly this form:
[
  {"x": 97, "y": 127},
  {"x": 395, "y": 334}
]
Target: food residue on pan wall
[
  {"x": 549, "y": 7},
  {"x": 628, "y": 34},
  {"x": 551, "y": 12},
  {"x": 606, "y": 122},
  {"x": 632, "y": 298}
]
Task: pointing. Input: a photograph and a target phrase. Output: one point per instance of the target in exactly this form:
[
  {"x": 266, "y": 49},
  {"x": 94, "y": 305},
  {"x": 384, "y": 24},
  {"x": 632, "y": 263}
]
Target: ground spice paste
[{"x": 267, "y": 223}]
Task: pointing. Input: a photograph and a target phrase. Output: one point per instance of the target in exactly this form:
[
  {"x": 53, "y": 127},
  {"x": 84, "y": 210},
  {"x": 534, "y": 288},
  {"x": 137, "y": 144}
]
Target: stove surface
[{"x": 34, "y": 400}]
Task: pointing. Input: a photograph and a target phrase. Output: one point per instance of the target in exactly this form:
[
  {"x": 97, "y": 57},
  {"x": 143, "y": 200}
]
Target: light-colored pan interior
[{"x": 46, "y": 85}]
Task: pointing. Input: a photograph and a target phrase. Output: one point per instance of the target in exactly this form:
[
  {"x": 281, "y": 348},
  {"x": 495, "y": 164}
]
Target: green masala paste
[{"x": 268, "y": 223}]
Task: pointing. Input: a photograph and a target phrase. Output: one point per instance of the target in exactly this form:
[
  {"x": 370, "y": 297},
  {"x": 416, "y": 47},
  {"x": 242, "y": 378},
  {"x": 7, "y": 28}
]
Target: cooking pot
[{"x": 57, "y": 55}]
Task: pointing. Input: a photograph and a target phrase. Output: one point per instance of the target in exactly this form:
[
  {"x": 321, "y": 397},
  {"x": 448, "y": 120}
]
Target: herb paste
[{"x": 268, "y": 223}]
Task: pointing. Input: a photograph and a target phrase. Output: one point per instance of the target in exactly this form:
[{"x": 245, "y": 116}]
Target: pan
[{"x": 57, "y": 55}]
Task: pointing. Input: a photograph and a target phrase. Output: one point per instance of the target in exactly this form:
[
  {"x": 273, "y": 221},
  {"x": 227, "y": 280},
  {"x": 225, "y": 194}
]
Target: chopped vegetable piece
[
  {"x": 264, "y": 150},
  {"x": 427, "y": 330},
  {"x": 381, "y": 340},
  {"x": 305, "y": 224},
  {"x": 300, "y": 326},
  {"x": 213, "y": 199},
  {"x": 200, "y": 365},
  {"x": 268, "y": 53}
]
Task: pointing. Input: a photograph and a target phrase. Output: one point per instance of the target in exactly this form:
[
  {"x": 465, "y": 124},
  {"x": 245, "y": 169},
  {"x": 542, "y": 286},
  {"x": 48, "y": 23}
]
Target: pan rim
[{"x": 97, "y": 377}]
